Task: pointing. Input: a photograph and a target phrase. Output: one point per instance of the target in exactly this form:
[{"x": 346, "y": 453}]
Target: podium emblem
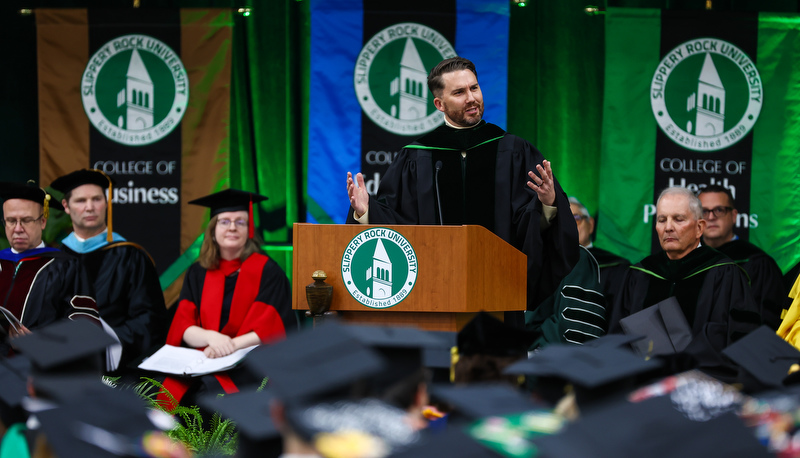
[{"x": 379, "y": 267}]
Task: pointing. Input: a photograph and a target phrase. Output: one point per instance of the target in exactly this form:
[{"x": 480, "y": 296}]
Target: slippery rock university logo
[
  {"x": 391, "y": 77},
  {"x": 379, "y": 267},
  {"x": 135, "y": 90},
  {"x": 706, "y": 94}
]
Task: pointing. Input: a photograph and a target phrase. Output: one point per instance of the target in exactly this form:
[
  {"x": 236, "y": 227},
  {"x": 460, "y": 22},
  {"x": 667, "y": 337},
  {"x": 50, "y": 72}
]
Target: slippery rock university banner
[
  {"x": 699, "y": 98},
  {"x": 144, "y": 96},
  {"x": 368, "y": 93}
]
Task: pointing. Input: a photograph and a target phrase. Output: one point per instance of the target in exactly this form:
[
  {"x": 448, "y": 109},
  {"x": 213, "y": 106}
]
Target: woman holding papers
[{"x": 233, "y": 297}]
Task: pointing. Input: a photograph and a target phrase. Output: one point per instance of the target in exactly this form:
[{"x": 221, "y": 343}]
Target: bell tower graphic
[
  {"x": 380, "y": 273},
  {"x": 708, "y": 101},
  {"x": 137, "y": 96}
]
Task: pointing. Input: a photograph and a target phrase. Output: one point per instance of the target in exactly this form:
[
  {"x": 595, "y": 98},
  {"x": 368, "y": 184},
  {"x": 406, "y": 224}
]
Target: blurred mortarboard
[
  {"x": 66, "y": 346},
  {"x": 595, "y": 373},
  {"x": 14, "y": 374},
  {"x": 403, "y": 347},
  {"x": 248, "y": 408},
  {"x": 231, "y": 200},
  {"x": 70, "y": 181},
  {"x": 112, "y": 422},
  {"x": 651, "y": 428},
  {"x": 29, "y": 191},
  {"x": 65, "y": 387},
  {"x": 481, "y": 400},
  {"x": 487, "y": 335},
  {"x": 765, "y": 360},
  {"x": 314, "y": 362},
  {"x": 439, "y": 359}
]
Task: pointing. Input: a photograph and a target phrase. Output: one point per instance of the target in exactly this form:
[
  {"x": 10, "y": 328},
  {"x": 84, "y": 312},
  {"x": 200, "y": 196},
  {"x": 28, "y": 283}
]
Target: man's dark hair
[
  {"x": 453, "y": 64},
  {"x": 718, "y": 188}
]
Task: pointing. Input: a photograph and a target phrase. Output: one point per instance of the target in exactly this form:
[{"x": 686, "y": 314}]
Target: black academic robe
[
  {"x": 766, "y": 279},
  {"x": 712, "y": 292},
  {"x": 613, "y": 269},
  {"x": 43, "y": 288},
  {"x": 129, "y": 297},
  {"x": 482, "y": 181},
  {"x": 235, "y": 299}
]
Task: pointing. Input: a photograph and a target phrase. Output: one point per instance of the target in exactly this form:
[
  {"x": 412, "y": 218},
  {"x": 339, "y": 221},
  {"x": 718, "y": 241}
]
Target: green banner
[{"x": 693, "y": 99}]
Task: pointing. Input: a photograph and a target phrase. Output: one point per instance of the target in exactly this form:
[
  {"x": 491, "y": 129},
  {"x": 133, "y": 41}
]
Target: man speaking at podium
[{"x": 468, "y": 171}]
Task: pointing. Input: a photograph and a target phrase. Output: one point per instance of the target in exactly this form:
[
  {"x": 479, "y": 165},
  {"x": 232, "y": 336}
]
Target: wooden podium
[{"x": 461, "y": 271}]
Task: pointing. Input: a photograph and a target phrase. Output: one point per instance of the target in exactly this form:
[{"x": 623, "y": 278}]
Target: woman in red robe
[{"x": 232, "y": 298}]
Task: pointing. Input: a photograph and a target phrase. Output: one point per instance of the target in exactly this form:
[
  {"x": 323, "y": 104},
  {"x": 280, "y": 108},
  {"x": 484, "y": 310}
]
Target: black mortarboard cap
[
  {"x": 439, "y": 359},
  {"x": 112, "y": 422},
  {"x": 595, "y": 373},
  {"x": 764, "y": 359},
  {"x": 14, "y": 374},
  {"x": 402, "y": 346},
  {"x": 487, "y": 335},
  {"x": 70, "y": 181},
  {"x": 29, "y": 191},
  {"x": 229, "y": 200},
  {"x": 232, "y": 200},
  {"x": 248, "y": 408},
  {"x": 65, "y": 387},
  {"x": 65, "y": 346},
  {"x": 651, "y": 428},
  {"x": 481, "y": 400},
  {"x": 314, "y": 362}
]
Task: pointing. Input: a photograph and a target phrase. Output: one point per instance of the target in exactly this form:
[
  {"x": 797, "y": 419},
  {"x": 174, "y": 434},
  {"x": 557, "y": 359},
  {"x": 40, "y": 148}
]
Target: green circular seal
[
  {"x": 706, "y": 94},
  {"x": 391, "y": 77},
  {"x": 379, "y": 267},
  {"x": 135, "y": 90}
]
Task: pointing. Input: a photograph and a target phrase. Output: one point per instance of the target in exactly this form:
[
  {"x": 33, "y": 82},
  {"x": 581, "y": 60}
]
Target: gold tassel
[
  {"x": 46, "y": 205},
  {"x": 453, "y": 361},
  {"x": 110, "y": 235}
]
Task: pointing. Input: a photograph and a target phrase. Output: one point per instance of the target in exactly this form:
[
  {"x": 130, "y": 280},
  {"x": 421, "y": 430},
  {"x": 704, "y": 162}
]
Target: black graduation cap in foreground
[
  {"x": 229, "y": 200},
  {"x": 481, "y": 400},
  {"x": 487, "y": 335},
  {"x": 595, "y": 373},
  {"x": 402, "y": 347},
  {"x": 248, "y": 408},
  {"x": 651, "y": 428},
  {"x": 29, "y": 191},
  {"x": 765, "y": 360},
  {"x": 66, "y": 346},
  {"x": 113, "y": 422},
  {"x": 324, "y": 361},
  {"x": 14, "y": 374},
  {"x": 70, "y": 181}
]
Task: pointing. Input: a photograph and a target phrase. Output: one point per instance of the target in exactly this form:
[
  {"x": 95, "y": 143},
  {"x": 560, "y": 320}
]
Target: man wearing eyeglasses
[
  {"x": 38, "y": 284},
  {"x": 766, "y": 279},
  {"x": 124, "y": 277}
]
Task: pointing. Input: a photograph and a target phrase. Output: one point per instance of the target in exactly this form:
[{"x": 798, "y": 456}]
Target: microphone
[{"x": 438, "y": 197}]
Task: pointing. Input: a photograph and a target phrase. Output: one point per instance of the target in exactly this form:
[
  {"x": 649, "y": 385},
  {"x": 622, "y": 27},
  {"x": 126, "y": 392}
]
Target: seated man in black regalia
[
  {"x": 711, "y": 289},
  {"x": 468, "y": 171},
  {"x": 766, "y": 278}
]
